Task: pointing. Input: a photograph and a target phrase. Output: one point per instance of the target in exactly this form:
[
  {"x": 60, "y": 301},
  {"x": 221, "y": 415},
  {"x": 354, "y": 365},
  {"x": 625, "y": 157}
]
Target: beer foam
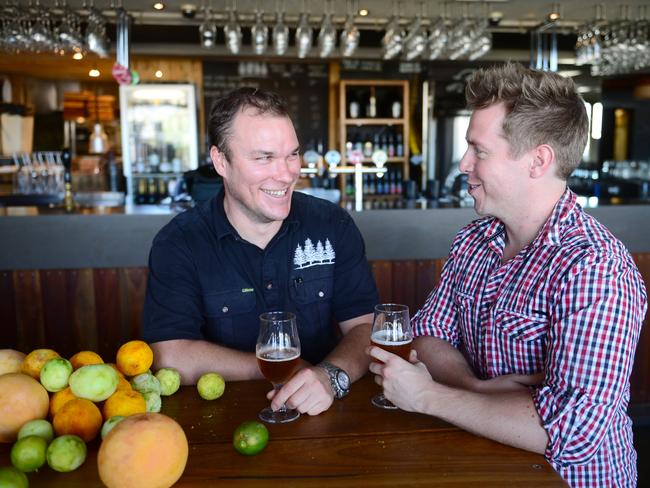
[
  {"x": 384, "y": 338},
  {"x": 277, "y": 355}
]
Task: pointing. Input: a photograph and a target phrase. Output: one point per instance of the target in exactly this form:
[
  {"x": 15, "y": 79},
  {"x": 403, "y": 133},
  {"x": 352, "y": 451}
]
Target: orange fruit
[
  {"x": 134, "y": 358},
  {"x": 59, "y": 399},
  {"x": 84, "y": 358},
  {"x": 124, "y": 403},
  {"x": 79, "y": 417},
  {"x": 35, "y": 360},
  {"x": 123, "y": 384}
]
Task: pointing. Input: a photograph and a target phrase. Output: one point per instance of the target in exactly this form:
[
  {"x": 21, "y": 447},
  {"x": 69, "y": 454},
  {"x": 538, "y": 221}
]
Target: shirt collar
[
  {"x": 223, "y": 227},
  {"x": 550, "y": 232}
]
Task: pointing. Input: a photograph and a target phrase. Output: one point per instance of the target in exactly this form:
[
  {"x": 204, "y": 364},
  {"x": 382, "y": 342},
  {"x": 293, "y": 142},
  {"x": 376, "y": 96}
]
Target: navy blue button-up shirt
[{"x": 206, "y": 282}]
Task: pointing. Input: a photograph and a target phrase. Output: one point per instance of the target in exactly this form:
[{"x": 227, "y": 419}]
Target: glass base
[
  {"x": 278, "y": 417},
  {"x": 380, "y": 401}
]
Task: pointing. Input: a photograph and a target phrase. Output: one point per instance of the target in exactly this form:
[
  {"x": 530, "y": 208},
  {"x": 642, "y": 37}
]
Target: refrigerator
[{"x": 159, "y": 139}]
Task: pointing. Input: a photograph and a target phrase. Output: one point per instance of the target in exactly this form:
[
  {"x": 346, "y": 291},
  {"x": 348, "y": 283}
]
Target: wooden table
[{"x": 352, "y": 444}]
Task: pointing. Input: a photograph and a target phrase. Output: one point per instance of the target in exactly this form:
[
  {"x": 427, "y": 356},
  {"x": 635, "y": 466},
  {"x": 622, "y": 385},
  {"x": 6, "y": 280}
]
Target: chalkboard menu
[{"x": 304, "y": 85}]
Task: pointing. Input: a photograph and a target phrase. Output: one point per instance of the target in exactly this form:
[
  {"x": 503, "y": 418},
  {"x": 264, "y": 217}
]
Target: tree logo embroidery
[{"x": 310, "y": 255}]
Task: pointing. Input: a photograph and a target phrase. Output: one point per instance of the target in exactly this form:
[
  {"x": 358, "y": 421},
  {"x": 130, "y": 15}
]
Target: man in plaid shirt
[{"x": 529, "y": 337}]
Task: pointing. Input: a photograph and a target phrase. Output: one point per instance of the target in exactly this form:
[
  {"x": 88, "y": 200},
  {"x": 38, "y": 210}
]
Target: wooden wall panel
[
  {"x": 30, "y": 325},
  {"x": 383, "y": 273},
  {"x": 80, "y": 286},
  {"x": 56, "y": 311},
  {"x": 8, "y": 329},
  {"x": 133, "y": 286},
  {"x": 403, "y": 284},
  {"x": 110, "y": 330}
]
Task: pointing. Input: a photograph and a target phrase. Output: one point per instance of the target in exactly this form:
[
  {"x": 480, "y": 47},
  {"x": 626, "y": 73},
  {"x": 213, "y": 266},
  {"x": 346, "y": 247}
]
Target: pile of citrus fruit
[{"x": 50, "y": 407}]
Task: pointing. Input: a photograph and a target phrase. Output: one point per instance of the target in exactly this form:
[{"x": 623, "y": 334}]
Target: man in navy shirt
[{"x": 256, "y": 247}]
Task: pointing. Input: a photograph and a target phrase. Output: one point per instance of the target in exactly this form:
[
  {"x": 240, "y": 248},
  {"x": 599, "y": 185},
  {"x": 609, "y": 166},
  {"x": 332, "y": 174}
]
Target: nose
[
  {"x": 287, "y": 170},
  {"x": 466, "y": 164}
]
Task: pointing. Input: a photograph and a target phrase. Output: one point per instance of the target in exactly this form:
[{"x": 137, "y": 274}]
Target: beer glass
[
  {"x": 278, "y": 357},
  {"x": 391, "y": 330}
]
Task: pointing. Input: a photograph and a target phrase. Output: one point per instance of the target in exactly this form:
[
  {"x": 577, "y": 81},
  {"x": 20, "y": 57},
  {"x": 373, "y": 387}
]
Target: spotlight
[
  {"x": 158, "y": 74},
  {"x": 555, "y": 13},
  {"x": 364, "y": 12},
  {"x": 94, "y": 73},
  {"x": 159, "y": 6}
]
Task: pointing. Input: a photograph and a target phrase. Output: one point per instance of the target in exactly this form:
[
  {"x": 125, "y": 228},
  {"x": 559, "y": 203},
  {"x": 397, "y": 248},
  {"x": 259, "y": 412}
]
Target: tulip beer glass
[
  {"x": 391, "y": 330},
  {"x": 278, "y": 357}
]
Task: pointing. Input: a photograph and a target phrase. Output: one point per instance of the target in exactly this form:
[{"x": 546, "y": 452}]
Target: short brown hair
[
  {"x": 541, "y": 108},
  {"x": 224, "y": 110}
]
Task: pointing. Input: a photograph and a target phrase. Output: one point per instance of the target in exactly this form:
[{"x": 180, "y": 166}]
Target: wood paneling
[{"x": 99, "y": 309}]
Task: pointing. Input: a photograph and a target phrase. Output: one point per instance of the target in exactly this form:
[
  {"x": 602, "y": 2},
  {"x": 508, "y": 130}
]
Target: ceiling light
[
  {"x": 78, "y": 55},
  {"x": 158, "y": 74},
  {"x": 554, "y": 14},
  {"x": 364, "y": 12},
  {"x": 159, "y": 6},
  {"x": 94, "y": 73}
]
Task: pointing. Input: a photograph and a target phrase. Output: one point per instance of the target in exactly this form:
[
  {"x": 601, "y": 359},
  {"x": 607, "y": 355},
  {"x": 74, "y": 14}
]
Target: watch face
[{"x": 343, "y": 380}]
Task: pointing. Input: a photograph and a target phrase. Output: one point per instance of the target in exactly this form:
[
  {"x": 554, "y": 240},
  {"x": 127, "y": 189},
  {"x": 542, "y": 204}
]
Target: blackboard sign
[{"x": 304, "y": 85}]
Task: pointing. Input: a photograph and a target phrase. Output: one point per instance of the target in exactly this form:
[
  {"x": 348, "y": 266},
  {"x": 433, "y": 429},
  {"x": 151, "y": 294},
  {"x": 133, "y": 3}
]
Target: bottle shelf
[{"x": 373, "y": 121}]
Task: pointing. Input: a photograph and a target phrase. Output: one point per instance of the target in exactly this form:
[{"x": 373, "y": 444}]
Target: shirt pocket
[
  {"x": 464, "y": 303},
  {"x": 317, "y": 290},
  {"x": 226, "y": 313},
  {"x": 522, "y": 326}
]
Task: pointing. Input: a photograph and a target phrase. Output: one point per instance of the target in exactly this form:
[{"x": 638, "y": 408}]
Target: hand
[
  {"x": 309, "y": 391},
  {"x": 404, "y": 383},
  {"x": 509, "y": 382}
]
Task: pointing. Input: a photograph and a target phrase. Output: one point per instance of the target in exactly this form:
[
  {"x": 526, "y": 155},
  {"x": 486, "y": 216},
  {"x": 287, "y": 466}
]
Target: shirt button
[
  {"x": 224, "y": 309},
  {"x": 321, "y": 294},
  {"x": 269, "y": 285}
]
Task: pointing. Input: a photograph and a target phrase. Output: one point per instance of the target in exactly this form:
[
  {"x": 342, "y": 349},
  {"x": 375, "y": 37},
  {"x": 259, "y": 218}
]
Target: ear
[
  {"x": 543, "y": 161},
  {"x": 218, "y": 161}
]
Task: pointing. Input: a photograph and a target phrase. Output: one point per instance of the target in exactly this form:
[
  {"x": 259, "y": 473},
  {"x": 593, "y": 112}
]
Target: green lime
[
  {"x": 28, "y": 453},
  {"x": 250, "y": 438},
  {"x": 40, "y": 427},
  {"x": 55, "y": 374},
  {"x": 12, "y": 478},
  {"x": 211, "y": 386},
  {"x": 110, "y": 423},
  {"x": 66, "y": 453},
  {"x": 170, "y": 381}
]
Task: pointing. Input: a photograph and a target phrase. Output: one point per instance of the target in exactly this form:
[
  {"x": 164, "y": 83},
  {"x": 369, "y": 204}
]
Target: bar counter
[
  {"x": 42, "y": 238},
  {"x": 353, "y": 444}
]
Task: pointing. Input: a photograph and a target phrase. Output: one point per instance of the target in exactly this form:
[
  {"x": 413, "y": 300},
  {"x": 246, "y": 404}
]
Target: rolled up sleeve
[{"x": 595, "y": 326}]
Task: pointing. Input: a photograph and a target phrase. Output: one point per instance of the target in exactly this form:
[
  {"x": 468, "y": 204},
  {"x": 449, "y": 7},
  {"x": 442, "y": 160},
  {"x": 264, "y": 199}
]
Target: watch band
[{"x": 339, "y": 379}]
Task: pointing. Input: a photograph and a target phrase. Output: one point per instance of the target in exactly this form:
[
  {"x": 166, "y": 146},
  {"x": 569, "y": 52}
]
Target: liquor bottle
[
  {"x": 372, "y": 106},
  {"x": 399, "y": 148},
  {"x": 367, "y": 149},
  {"x": 141, "y": 192},
  {"x": 349, "y": 185},
  {"x": 400, "y": 186},
  {"x": 391, "y": 145},
  {"x": 153, "y": 191},
  {"x": 372, "y": 184},
  {"x": 365, "y": 184}
]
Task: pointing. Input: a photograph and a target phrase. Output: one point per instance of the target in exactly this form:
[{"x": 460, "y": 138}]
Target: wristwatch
[{"x": 339, "y": 379}]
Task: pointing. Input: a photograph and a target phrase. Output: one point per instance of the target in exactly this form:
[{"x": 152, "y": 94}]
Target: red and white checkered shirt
[{"x": 571, "y": 305}]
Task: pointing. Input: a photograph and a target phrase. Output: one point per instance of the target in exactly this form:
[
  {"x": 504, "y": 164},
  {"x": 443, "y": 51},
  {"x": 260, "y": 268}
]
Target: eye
[
  {"x": 480, "y": 153},
  {"x": 264, "y": 158},
  {"x": 294, "y": 156}
]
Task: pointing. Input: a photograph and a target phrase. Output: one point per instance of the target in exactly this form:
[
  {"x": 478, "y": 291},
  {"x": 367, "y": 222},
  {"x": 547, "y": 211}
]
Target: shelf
[
  {"x": 374, "y": 121},
  {"x": 170, "y": 174}
]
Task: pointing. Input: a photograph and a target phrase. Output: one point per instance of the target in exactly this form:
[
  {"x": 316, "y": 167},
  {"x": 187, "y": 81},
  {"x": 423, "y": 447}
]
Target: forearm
[
  {"x": 192, "y": 358},
  {"x": 445, "y": 363},
  {"x": 350, "y": 353},
  {"x": 509, "y": 418}
]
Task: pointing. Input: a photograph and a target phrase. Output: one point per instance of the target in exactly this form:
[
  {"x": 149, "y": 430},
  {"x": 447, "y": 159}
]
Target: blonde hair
[{"x": 541, "y": 108}]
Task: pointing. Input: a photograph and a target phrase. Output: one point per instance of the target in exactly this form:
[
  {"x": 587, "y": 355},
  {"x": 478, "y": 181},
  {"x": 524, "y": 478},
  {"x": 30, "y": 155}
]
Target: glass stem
[{"x": 278, "y": 387}]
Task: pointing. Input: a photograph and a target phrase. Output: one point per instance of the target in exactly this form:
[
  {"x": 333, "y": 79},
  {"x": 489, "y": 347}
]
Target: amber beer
[
  {"x": 400, "y": 345},
  {"x": 278, "y": 365}
]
